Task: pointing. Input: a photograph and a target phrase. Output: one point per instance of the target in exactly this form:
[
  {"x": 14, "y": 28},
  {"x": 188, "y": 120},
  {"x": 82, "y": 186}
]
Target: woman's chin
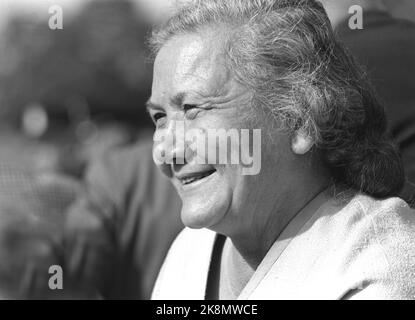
[{"x": 204, "y": 215}]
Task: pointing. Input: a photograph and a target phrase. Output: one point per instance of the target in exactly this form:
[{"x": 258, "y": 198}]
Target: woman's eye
[
  {"x": 191, "y": 110},
  {"x": 188, "y": 107},
  {"x": 157, "y": 116}
]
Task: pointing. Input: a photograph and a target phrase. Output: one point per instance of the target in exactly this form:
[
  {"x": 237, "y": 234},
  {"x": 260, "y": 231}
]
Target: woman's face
[{"x": 194, "y": 91}]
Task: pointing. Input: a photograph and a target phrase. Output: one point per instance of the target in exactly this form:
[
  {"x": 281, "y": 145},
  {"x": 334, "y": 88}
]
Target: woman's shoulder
[
  {"x": 358, "y": 247},
  {"x": 389, "y": 215},
  {"x": 185, "y": 269},
  {"x": 386, "y": 221},
  {"x": 190, "y": 240},
  {"x": 381, "y": 241},
  {"x": 197, "y": 234}
]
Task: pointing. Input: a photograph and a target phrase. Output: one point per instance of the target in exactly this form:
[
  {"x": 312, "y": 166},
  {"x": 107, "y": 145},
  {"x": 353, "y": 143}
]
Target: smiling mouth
[{"x": 194, "y": 177}]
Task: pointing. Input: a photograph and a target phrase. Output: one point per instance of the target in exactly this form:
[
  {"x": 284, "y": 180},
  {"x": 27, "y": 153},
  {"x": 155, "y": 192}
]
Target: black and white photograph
[{"x": 206, "y": 155}]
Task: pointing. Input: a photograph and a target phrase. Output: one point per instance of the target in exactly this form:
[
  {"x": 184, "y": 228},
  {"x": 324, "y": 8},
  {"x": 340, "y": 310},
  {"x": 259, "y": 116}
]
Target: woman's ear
[{"x": 301, "y": 143}]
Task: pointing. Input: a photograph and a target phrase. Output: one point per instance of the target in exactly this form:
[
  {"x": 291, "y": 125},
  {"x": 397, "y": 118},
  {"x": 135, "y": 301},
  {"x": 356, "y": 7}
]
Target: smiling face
[{"x": 193, "y": 86}]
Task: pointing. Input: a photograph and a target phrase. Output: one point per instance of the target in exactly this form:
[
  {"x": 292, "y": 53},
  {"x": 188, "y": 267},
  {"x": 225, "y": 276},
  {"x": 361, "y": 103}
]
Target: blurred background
[{"x": 67, "y": 95}]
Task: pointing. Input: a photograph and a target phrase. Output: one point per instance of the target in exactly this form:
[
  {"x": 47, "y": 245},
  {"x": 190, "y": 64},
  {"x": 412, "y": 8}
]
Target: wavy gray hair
[{"x": 287, "y": 53}]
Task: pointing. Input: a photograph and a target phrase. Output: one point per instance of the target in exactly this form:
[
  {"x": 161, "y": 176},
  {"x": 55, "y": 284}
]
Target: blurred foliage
[{"x": 96, "y": 65}]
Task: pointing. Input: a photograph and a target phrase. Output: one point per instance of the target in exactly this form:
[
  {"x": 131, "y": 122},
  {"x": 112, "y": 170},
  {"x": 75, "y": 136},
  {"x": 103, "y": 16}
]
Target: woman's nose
[{"x": 169, "y": 144}]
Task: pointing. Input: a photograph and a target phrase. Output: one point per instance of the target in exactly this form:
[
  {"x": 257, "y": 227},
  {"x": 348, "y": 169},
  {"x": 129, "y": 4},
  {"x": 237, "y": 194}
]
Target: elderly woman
[{"x": 321, "y": 218}]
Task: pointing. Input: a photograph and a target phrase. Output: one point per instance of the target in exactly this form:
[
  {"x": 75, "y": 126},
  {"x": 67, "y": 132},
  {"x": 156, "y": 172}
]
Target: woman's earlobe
[{"x": 301, "y": 143}]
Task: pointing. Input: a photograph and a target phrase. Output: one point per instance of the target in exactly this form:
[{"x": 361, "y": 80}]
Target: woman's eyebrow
[
  {"x": 179, "y": 99},
  {"x": 176, "y": 101}
]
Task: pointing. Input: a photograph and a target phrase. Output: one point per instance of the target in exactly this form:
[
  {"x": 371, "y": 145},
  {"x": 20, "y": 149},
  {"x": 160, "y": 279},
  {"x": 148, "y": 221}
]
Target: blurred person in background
[
  {"x": 386, "y": 48},
  {"x": 32, "y": 210},
  {"x": 118, "y": 234}
]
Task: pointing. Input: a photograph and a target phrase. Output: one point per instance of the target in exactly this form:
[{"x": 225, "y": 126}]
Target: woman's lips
[{"x": 192, "y": 177}]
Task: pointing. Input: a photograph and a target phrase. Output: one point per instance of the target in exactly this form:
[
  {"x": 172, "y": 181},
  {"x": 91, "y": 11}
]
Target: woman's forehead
[{"x": 190, "y": 63}]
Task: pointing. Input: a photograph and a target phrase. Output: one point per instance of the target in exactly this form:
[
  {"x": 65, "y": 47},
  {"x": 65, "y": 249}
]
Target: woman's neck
[
  {"x": 235, "y": 272},
  {"x": 254, "y": 243}
]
